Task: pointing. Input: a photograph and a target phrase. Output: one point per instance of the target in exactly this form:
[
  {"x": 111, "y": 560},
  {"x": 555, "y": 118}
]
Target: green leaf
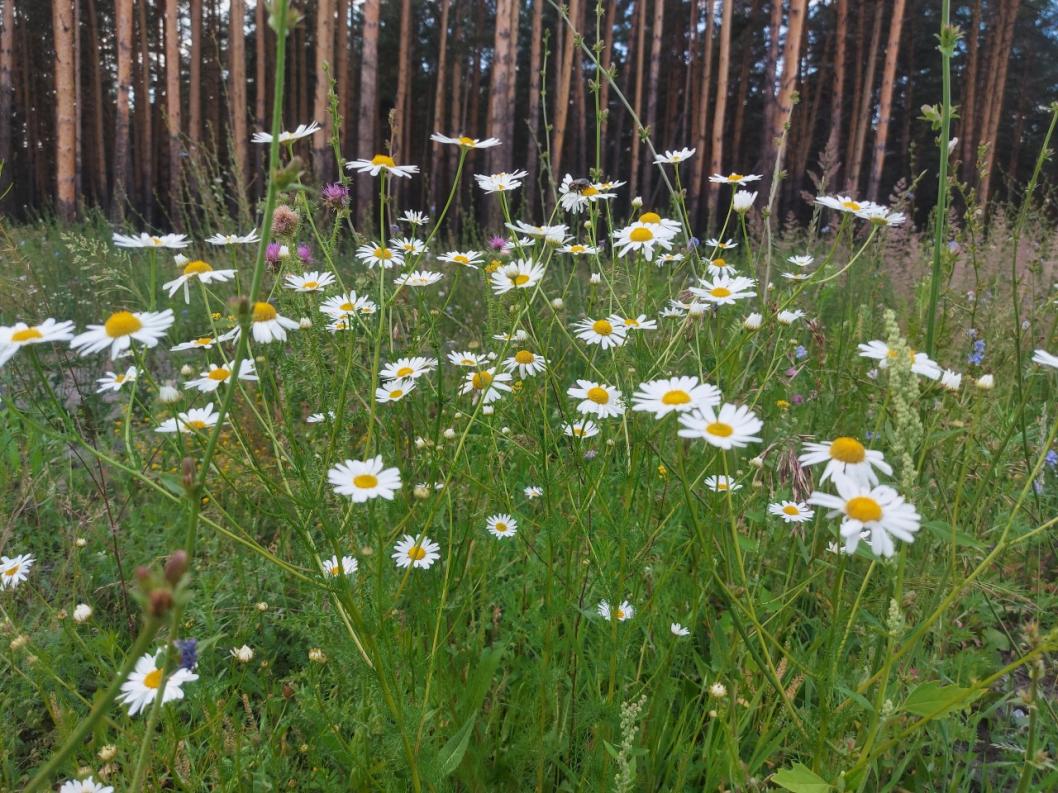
[
  {"x": 933, "y": 700},
  {"x": 800, "y": 779},
  {"x": 452, "y": 752}
]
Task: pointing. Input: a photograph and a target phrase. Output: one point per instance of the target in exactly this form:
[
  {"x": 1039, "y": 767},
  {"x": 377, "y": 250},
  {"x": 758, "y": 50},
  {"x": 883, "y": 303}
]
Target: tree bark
[
  {"x": 991, "y": 132},
  {"x": 123, "y": 25},
  {"x": 65, "y": 110},
  {"x": 723, "y": 68},
  {"x": 862, "y": 119},
  {"x": 535, "y": 62},
  {"x": 260, "y": 86},
  {"x": 746, "y": 45},
  {"x": 701, "y": 126},
  {"x": 401, "y": 122},
  {"x": 439, "y": 104},
  {"x": 565, "y": 74},
  {"x": 656, "y": 31},
  {"x": 885, "y": 99},
  {"x": 837, "y": 97},
  {"x": 604, "y": 87},
  {"x": 172, "y": 100},
  {"x": 322, "y": 156},
  {"x": 237, "y": 88},
  {"x": 194, "y": 82},
  {"x": 144, "y": 118},
  {"x": 791, "y": 62},
  {"x": 342, "y": 67},
  {"x": 7, "y": 89},
  {"x": 99, "y": 152},
  {"x": 771, "y": 65},
  {"x": 368, "y": 98},
  {"x": 639, "y": 26},
  {"x": 969, "y": 108}
]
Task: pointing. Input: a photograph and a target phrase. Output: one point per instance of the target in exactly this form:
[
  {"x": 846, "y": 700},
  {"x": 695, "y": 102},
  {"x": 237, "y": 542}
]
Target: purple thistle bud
[
  {"x": 305, "y": 253},
  {"x": 272, "y": 253},
  {"x": 335, "y": 196},
  {"x": 497, "y": 243}
]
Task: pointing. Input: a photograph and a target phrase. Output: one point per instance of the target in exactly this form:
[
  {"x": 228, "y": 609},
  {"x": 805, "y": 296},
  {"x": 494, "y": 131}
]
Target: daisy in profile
[
  {"x": 467, "y": 359},
  {"x": 742, "y": 201},
  {"x": 843, "y": 203},
  {"x": 14, "y": 570},
  {"x": 526, "y": 362},
  {"x": 200, "y": 271},
  {"x": 722, "y": 484},
  {"x": 193, "y": 420},
  {"x": 234, "y": 239},
  {"x": 796, "y": 276},
  {"x": 382, "y": 163},
  {"x": 394, "y": 390},
  {"x": 210, "y": 380},
  {"x": 724, "y": 290},
  {"x": 733, "y": 427},
  {"x": 501, "y": 526},
  {"x": 577, "y": 249},
  {"x": 877, "y": 509},
  {"x": 463, "y": 258},
  {"x": 846, "y": 457},
  {"x": 122, "y": 328},
  {"x": 620, "y": 613},
  {"x": 642, "y": 238},
  {"x": 734, "y": 178},
  {"x": 15, "y": 337},
  {"x": 465, "y": 141},
  {"x": 416, "y": 554},
  {"x": 720, "y": 245},
  {"x": 1044, "y": 358},
  {"x": 113, "y": 381},
  {"x": 201, "y": 343},
  {"x": 486, "y": 385},
  {"x": 801, "y": 261},
  {"x": 378, "y": 255},
  {"x": 418, "y": 278},
  {"x": 88, "y": 785},
  {"x": 597, "y": 399},
  {"x": 674, "y": 157},
  {"x": 347, "y": 305},
  {"x": 144, "y": 240},
  {"x": 267, "y": 325},
  {"x": 138, "y": 692},
  {"x": 334, "y": 568},
  {"x": 667, "y": 258},
  {"x": 719, "y": 266},
  {"x": 515, "y": 336},
  {"x": 921, "y": 363},
  {"x": 408, "y": 368},
  {"x": 881, "y": 216},
  {"x": 414, "y": 218},
  {"x": 752, "y": 321},
  {"x": 951, "y": 380},
  {"x": 674, "y": 394},
  {"x": 786, "y": 317},
  {"x": 302, "y": 131},
  {"x": 319, "y": 418},
  {"x": 604, "y": 332},
  {"x": 522, "y": 274},
  {"x": 500, "y": 182},
  {"x": 678, "y": 630},
  {"x": 554, "y": 235},
  {"x": 584, "y": 428},
  {"x": 533, "y": 491},
  {"x": 792, "y": 511},
  {"x": 313, "y": 281},
  {"x": 361, "y": 480}
]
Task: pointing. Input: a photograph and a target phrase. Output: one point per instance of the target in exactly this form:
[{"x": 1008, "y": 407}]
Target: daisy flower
[
  {"x": 487, "y": 385},
  {"x": 743, "y": 200},
  {"x": 501, "y": 526},
  {"x": 734, "y": 178},
  {"x": 792, "y": 511},
  {"x": 409, "y": 553},
  {"x": 313, "y": 281},
  {"x": 1044, "y": 358},
  {"x": 796, "y": 276},
  {"x": 211, "y": 379},
  {"x": 843, "y": 203},
  {"x": 122, "y": 328},
  {"x": 577, "y": 249},
  {"x": 881, "y": 216},
  {"x": 141, "y": 687},
  {"x": 500, "y": 182},
  {"x": 334, "y": 568},
  {"x": 347, "y": 305},
  {"x": 113, "y": 381},
  {"x": 801, "y": 261},
  {"x": 463, "y": 258},
  {"x": 380, "y": 163},
  {"x": 789, "y": 317},
  {"x": 88, "y": 785},
  {"x": 533, "y": 491},
  {"x": 597, "y": 399},
  {"x": 418, "y": 278},
  {"x": 145, "y": 240},
  {"x": 639, "y": 323},
  {"x": 197, "y": 270},
  {"x": 268, "y": 325},
  {"x": 413, "y": 368},
  {"x": 603, "y": 332},
  {"x": 414, "y": 218},
  {"x": 202, "y": 343},
  {"x": 379, "y": 255},
  {"x": 733, "y": 427},
  {"x": 527, "y": 363},
  {"x": 364, "y": 479},
  {"x": 678, "y": 630},
  {"x": 723, "y": 245},
  {"x": 620, "y": 613},
  {"x": 845, "y": 456},
  {"x": 584, "y": 428},
  {"x": 302, "y": 131},
  {"x": 951, "y": 380},
  {"x": 466, "y": 359},
  {"x": 518, "y": 335},
  {"x": 724, "y": 290},
  {"x": 394, "y": 390},
  {"x": 193, "y": 420},
  {"x": 879, "y": 510},
  {"x": 14, "y": 337},
  {"x": 408, "y": 246},
  {"x": 722, "y": 484},
  {"x": 879, "y": 351},
  {"x": 234, "y": 239},
  {"x": 555, "y": 235},
  {"x": 674, "y": 157},
  {"x": 318, "y": 418},
  {"x": 522, "y": 274},
  {"x": 14, "y": 570},
  {"x": 674, "y": 394},
  {"x": 719, "y": 266},
  {"x": 642, "y": 238},
  {"x": 667, "y": 258},
  {"x": 465, "y": 141}
]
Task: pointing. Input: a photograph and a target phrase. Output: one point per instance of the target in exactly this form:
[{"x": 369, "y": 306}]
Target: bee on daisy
[
  {"x": 417, "y": 554},
  {"x": 121, "y": 329},
  {"x": 501, "y": 526},
  {"x": 313, "y": 281},
  {"x": 363, "y": 480},
  {"x": 210, "y": 380},
  {"x": 15, "y": 337}
]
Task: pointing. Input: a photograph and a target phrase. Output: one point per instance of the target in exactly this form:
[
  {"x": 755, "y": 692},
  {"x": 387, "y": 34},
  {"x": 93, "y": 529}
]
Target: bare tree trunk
[
  {"x": 439, "y": 103},
  {"x": 859, "y": 138},
  {"x": 194, "y": 82},
  {"x": 7, "y": 89},
  {"x": 604, "y": 87},
  {"x": 565, "y": 74},
  {"x": 260, "y": 86},
  {"x": 144, "y": 118},
  {"x": 969, "y": 105},
  {"x": 322, "y": 157},
  {"x": 701, "y": 126},
  {"x": 724, "y": 67},
  {"x": 401, "y": 121},
  {"x": 656, "y": 30},
  {"x": 237, "y": 88},
  {"x": 991, "y": 132},
  {"x": 65, "y": 110},
  {"x": 535, "y": 63},
  {"x": 743, "y": 83},
  {"x": 172, "y": 100},
  {"x": 885, "y": 99},
  {"x": 342, "y": 67},
  {"x": 123, "y": 25},
  {"x": 771, "y": 65},
  {"x": 691, "y": 72},
  {"x": 837, "y": 97},
  {"x": 791, "y": 61},
  {"x": 368, "y": 98},
  {"x": 639, "y": 25}
]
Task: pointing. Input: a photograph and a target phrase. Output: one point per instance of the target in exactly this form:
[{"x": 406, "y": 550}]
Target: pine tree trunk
[
  {"x": 322, "y": 156},
  {"x": 969, "y": 105},
  {"x": 123, "y": 25},
  {"x": 341, "y": 67},
  {"x": 995, "y": 112},
  {"x": 533, "y": 121},
  {"x": 144, "y": 118},
  {"x": 439, "y": 102},
  {"x": 368, "y": 99},
  {"x": 604, "y": 87},
  {"x": 401, "y": 120},
  {"x": 260, "y": 88},
  {"x": 172, "y": 100},
  {"x": 99, "y": 152},
  {"x": 791, "y": 62},
  {"x": 863, "y": 119},
  {"x": 653, "y": 86},
  {"x": 885, "y": 99},
  {"x": 701, "y": 116},
  {"x": 194, "y": 82},
  {"x": 716, "y": 159},
  {"x": 771, "y": 65},
  {"x": 237, "y": 88},
  {"x": 639, "y": 27},
  {"x": 65, "y": 110},
  {"x": 565, "y": 75},
  {"x": 837, "y": 97},
  {"x": 7, "y": 89},
  {"x": 743, "y": 83}
]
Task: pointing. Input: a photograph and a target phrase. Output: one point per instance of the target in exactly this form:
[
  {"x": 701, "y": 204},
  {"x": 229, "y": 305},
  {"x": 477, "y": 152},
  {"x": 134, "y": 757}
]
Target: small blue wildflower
[
  {"x": 1051, "y": 459},
  {"x": 800, "y": 353},
  {"x": 188, "y": 652}
]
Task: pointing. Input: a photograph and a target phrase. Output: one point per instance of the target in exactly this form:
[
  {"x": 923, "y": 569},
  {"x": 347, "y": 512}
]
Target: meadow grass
[{"x": 625, "y": 621}]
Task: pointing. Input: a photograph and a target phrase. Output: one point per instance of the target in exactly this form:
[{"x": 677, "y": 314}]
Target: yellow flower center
[
  {"x": 335, "y": 570},
  {"x": 197, "y": 267},
  {"x": 520, "y": 279},
  {"x": 365, "y": 481},
  {"x": 524, "y": 357},
  {"x": 847, "y": 450},
  {"x": 310, "y": 285},
  {"x": 721, "y": 263},
  {"x": 675, "y": 397},
  {"x": 790, "y": 509},
  {"x": 218, "y": 374},
  {"x": 863, "y": 509},
  {"x": 589, "y": 191},
  {"x": 481, "y": 380},
  {"x": 404, "y": 371},
  {"x": 465, "y": 141},
  {"x": 197, "y": 424},
  {"x": 27, "y": 334},
  {"x": 467, "y": 361},
  {"x": 383, "y": 159},
  {"x": 264, "y": 312},
  {"x": 121, "y": 323},
  {"x": 650, "y": 217},
  {"x": 119, "y": 378},
  {"x": 579, "y": 432},
  {"x": 12, "y": 571},
  {"x": 577, "y": 248},
  {"x": 641, "y": 234},
  {"x": 619, "y": 614},
  {"x": 720, "y": 291},
  {"x": 461, "y": 259},
  {"x": 383, "y": 253},
  {"x": 396, "y": 393},
  {"x": 346, "y": 307},
  {"x": 153, "y": 678},
  {"x": 632, "y": 323},
  {"x": 204, "y": 341},
  {"x": 599, "y": 396},
  {"x": 602, "y": 327},
  {"x": 501, "y": 527},
  {"x": 735, "y": 177},
  {"x": 852, "y": 206},
  {"x": 156, "y": 240},
  {"x": 720, "y": 429},
  {"x": 722, "y": 486}
]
